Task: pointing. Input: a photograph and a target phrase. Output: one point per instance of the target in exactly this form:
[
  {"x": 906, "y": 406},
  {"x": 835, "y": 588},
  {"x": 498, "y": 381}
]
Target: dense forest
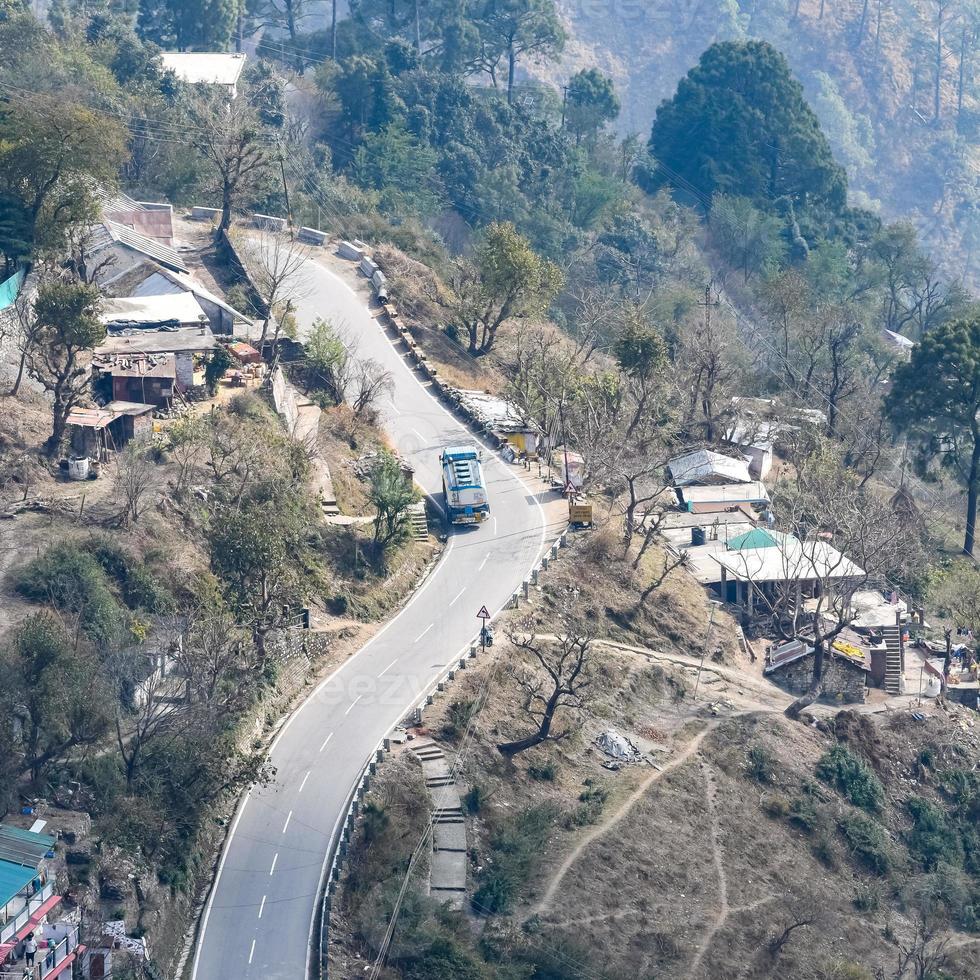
[
  {"x": 895, "y": 86},
  {"x": 411, "y": 122}
]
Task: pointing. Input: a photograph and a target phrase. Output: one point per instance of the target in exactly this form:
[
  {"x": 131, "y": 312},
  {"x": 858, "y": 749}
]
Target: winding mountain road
[{"x": 261, "y": 912}]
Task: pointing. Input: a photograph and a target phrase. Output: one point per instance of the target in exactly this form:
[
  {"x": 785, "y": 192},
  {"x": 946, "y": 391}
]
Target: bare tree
[
  {"x": 799, "y": 915},
  {"x": 229, "y": 137},
  {"x": 372, "y": 381},
  {"x": 275, "y": 262},
  {"x": 188, "y": 442},
  {"x": 706, "y": 359},
  {"x": 625, "y": 425},
  {"x": 543, "y": 367},
  {"x": 135, "y": 480},
  {"x": 925, "y": 953},
  {"x": 559, "y": 678},
  {"x": 156, "y": 708}
]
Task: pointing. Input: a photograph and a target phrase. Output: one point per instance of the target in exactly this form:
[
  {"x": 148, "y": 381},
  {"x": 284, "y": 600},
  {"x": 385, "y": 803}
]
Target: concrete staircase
[
  {"x": 894, "y": 659},
  {"x": 447, "y": 868},
  {"x": 417, "y": 520}
]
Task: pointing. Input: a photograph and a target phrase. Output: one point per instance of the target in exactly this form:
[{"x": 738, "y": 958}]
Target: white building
[{"x": 206, "y": 68}]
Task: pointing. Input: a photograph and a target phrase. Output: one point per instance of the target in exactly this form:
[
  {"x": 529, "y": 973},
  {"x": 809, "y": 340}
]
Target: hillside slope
[{"x": 875, "y": 97}]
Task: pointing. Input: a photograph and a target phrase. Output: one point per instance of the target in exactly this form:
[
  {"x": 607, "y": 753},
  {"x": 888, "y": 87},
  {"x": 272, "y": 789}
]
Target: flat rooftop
[
  {"x": 174, "y": 340},
  {"x": 204, "y": 67}
]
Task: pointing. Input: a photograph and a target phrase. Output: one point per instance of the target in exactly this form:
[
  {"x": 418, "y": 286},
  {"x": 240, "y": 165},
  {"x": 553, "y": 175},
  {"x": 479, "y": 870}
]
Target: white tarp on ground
[{"x": 618, "y": 746}]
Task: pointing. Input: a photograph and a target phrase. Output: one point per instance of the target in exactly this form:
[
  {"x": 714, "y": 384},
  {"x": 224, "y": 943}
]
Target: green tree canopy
[
  {"x": 510, "y": 30},
  {"x": 505, "y": 280},
  {"x": 739, "y": 125},
  {"x": 592, "y": 102},
  {"x": 391, "y": 492},
  {"x": 204, "y": 25},
  {"x": 68, "y": 327},
  {"x": 56, "y": 689},
  {"x": 935, "y": 399},
  {"x": 54, "y": 154}
]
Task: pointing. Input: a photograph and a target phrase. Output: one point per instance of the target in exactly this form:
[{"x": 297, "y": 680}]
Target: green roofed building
[{"x": 756, "y": 538}]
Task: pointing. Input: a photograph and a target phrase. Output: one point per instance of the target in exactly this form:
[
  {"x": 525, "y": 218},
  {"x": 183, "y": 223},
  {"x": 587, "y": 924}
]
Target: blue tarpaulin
[{"x": 10, "y": 288}]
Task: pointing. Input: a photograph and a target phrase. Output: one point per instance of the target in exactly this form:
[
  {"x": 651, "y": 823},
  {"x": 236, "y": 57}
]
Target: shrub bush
[
  {"x": 867, "y": 841},
  {"x": 473, "y": 799},
  {"x": 852, "y": 777},
  {"x": 71, "y": 579},
  {"x": 517, "y": 845},
  {"x": 804, "y": 813},
  {"x": 457, "y": 718},
  {"x": 867, "y": 898},
  {"x": 760, "y": 764},
  {"x": 931, "y": 839},
  {"x": 544, "y": 772},
  {"x": 776, "y": 805}
]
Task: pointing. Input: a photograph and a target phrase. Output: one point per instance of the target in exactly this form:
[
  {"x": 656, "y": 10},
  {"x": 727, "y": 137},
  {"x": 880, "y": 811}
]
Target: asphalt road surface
[{"x": 261, "y": 911}]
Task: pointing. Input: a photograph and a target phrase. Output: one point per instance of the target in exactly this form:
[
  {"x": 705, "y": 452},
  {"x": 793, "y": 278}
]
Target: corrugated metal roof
[
  {"x": 163, "y": 254},
  {"x": 703, "y": 464},
  {"x": 24, "y": 846},
  {"x": 13, "y": 878}
]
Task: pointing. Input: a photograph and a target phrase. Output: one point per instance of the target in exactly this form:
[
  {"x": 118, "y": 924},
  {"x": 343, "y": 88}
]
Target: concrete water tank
[{"x": 78, "y": 467}]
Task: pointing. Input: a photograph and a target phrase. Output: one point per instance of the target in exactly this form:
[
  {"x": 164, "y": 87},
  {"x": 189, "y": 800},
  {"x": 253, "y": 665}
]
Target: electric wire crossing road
[{"x": 260, "y": 916}]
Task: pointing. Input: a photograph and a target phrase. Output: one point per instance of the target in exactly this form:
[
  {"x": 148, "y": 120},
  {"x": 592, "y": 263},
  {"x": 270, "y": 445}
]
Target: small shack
[
  {"x": 706, "y": 468},
  {"x": 95, "y": 432},
  {"x": 724, "y": 497},
  {"x": 846, "y": 671},
  {"x": 149, "y": 379},
  {"x": 505, "y": 420}
]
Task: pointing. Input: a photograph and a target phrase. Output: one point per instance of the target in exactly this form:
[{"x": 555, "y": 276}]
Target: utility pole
[
  {"x": 711, "y": 618},
  {"x": 333, "y": 32},
  {"x": 564, "y": 104},
  {"x": 285, "y": 190}
]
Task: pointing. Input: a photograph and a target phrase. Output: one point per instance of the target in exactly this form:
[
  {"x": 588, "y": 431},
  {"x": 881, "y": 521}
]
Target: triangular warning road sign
[{"x": 484, "y": 613}]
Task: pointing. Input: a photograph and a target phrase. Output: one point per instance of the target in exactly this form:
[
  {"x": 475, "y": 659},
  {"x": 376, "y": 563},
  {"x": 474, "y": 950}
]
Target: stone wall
[{"x": 843, "y": 682}]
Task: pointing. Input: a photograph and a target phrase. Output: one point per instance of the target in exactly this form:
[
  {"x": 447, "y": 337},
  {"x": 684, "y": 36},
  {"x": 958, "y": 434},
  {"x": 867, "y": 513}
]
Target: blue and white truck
[{"x": 462, "y": 483}]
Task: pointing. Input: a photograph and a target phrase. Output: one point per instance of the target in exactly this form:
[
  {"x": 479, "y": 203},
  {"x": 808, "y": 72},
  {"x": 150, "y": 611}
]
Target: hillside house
[
  {"x": 206, "y": 68},
  {"x": 706, "y": 468},
  {"x": 147, "y": 378},
  {"x": 129, "y": 233},
  {"x": 724, "y": 497},
  {"x": 761, "y": 566},
  {"x": 149, "y": 278},
  {"x": 151, "y": 326}
]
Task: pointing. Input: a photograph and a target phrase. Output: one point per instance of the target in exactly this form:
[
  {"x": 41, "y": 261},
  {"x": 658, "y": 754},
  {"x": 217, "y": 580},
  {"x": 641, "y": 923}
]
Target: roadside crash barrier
[
  {"x": 313, "y": 236},
  {"x": 354, "y": 250},
  {"x": 268, "y": 222}
]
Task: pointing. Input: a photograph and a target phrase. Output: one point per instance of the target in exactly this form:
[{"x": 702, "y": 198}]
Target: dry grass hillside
[{"x": 739, "y": 844}]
